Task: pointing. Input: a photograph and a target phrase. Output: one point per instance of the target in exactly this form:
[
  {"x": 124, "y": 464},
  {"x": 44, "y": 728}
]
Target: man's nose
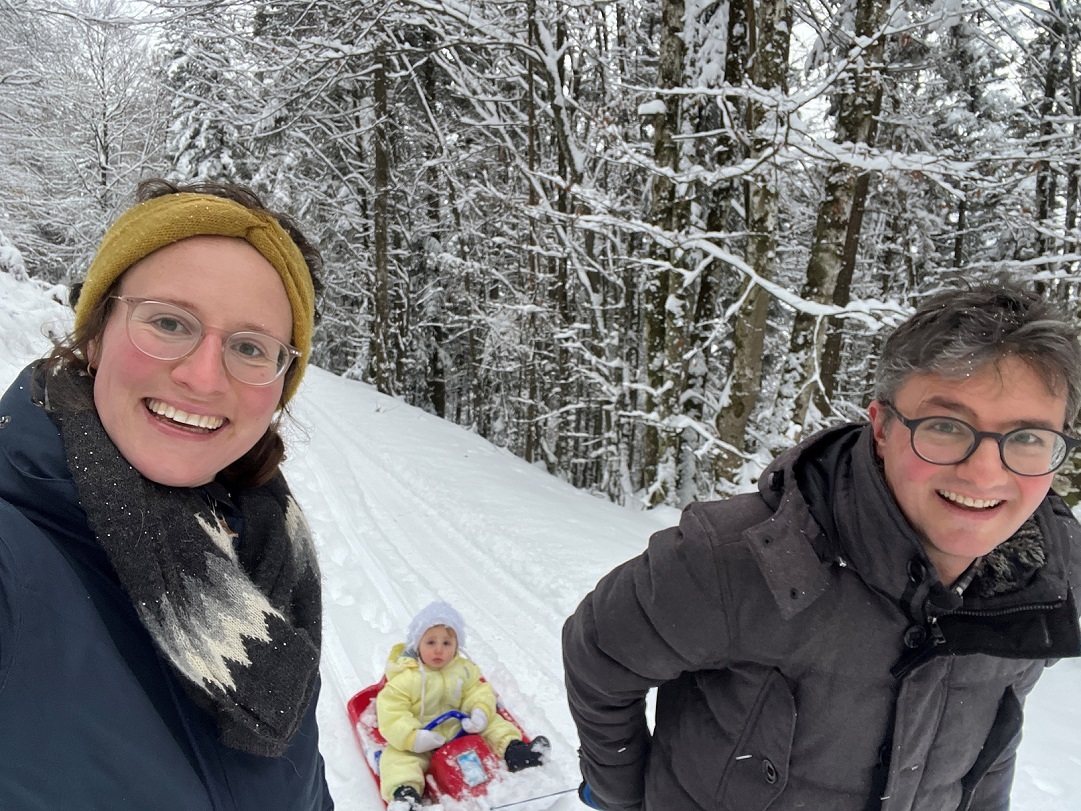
[{"x": 985, "y": 465}]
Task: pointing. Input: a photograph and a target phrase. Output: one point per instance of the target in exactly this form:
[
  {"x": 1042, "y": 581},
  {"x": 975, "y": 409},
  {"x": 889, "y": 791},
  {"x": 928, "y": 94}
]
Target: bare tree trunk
[
  {"x": 720, "y": 213},
  {"x": 665, "y": 307},
  {"x": 529, "y": 447},
  {"x": 381, "y": 366},
  {"x": 836, "y": 235},
  {"x": 842, "y": 292},
  {"x": 768, "y": 61},
  {"x": 1072, "y": 168},
  {"x": 1045, "y": 174}
]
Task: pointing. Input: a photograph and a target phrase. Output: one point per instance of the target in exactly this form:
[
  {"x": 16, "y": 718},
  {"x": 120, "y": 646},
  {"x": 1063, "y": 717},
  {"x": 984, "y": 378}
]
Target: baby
[{"x": 426, "y": 676}]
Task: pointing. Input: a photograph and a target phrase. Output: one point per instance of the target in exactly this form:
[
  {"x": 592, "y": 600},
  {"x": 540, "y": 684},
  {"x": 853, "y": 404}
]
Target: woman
[{"x": 159, "y": 593}]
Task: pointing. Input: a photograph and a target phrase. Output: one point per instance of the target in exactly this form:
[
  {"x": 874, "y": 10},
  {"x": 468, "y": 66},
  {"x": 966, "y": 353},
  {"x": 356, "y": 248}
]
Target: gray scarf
[{"x": 239, "y": 625}]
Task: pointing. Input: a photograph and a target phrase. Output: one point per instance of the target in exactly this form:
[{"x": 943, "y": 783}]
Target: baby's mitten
[
  {"x": 476, "y": 721},
  {"x": 427, "y": 740}
]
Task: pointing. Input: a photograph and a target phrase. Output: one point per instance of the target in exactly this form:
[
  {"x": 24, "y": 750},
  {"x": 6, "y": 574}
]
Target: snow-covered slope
[{"x": 407, "y": 508}]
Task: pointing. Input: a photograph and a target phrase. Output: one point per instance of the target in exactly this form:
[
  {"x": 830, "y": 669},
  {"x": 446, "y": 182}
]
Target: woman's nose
[{"x": 203, "y": 371}]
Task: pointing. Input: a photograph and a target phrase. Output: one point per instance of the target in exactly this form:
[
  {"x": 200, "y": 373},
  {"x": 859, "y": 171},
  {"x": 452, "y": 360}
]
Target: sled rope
[{"x": 533, "y": 799}]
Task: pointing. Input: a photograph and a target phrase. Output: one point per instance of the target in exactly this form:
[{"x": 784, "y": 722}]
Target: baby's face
[{"x": 437, "y": 646}]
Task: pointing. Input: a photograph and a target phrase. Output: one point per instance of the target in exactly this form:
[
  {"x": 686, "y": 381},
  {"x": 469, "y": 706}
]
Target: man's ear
[{"x": 880, "y": 419}]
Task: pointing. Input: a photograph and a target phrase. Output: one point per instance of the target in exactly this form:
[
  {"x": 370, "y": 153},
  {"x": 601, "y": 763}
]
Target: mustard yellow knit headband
[{"x": 161, "y": 221}]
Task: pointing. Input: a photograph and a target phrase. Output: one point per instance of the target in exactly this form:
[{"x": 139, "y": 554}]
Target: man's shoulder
[
  {"x": 711, "y": 537},
  {"x": 726, "y": 519},
  {"x": 1064, "y": 535},
  {"x": 747, "y": 533},
  {"x": 707, "y": 531},
  {"x": 1062, "y": 512}
]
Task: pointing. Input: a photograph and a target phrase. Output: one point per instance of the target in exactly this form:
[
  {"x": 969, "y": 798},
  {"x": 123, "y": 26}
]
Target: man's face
[{"x": 965, "y": 510}]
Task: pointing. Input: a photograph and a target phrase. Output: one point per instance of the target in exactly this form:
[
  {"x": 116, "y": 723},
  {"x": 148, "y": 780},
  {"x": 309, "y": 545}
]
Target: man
[{"x": 861, "y": 632}]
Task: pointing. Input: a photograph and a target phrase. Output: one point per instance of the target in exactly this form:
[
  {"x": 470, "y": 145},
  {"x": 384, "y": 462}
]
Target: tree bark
[
  {"x": 381, "y": 366},
  {"x": 769, "y": 25},
  {"x": 835, "y": 240},
  {"x": 664, "y": 300}
]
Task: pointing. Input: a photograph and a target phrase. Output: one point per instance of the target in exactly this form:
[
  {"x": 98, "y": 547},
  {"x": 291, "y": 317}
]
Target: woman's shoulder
[
  {"x": 34, "y": 476},
  {"x": 30, "y": 442},
  {"x": 17, "y": 403}
]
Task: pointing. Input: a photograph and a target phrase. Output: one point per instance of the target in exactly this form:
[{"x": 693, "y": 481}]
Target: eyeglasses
[
  {"x": 949, "y": 441},
  {"x": 167, "y": 332}
]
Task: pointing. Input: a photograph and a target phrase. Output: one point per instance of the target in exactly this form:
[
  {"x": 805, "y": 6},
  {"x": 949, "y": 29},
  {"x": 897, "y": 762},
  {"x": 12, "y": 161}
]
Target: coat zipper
[{"x": 1002, "y": 612}]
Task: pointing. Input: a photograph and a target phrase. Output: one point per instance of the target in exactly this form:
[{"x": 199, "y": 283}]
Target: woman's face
[{"x": 213, "y": 419}]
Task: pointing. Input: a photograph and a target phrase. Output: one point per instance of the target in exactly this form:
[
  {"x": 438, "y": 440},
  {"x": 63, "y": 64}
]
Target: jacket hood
[
  {"x": 34, "y": 474},
  {"x": 399, "y": 661}
]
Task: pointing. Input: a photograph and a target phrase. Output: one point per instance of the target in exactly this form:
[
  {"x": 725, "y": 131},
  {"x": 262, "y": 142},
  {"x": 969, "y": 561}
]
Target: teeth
[
  {"x": 176, "y": 415},
  {"x": 965, "y": 501}
]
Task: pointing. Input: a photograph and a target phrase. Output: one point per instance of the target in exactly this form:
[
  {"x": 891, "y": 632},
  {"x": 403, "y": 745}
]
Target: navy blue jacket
[{"x": 91, "y": 717}]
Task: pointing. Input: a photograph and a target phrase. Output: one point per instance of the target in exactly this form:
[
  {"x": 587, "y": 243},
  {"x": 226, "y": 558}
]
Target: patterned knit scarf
[{"x": 241, "y": 627}]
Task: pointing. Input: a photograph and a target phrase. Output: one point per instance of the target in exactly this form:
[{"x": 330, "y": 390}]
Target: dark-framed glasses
[
  {"x": 950, "y": 441},
  {"x": 167, "y": 332}
]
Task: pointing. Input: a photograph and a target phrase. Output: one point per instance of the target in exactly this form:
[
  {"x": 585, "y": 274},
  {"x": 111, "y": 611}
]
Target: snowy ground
[{"x": 407, "y": 508}]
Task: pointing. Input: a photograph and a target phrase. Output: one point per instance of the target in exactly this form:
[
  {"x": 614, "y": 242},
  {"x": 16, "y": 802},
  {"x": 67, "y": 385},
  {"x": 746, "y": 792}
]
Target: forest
[{"x": 644, "y": 244}]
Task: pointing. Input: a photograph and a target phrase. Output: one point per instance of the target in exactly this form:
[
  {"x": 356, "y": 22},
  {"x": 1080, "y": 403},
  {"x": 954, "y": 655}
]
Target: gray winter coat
[{"x": 807, "y": 656}]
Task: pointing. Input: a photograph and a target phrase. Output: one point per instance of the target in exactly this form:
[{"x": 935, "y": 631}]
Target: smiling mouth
[
  {"x": 970, "y": 503},
  {"x": 200, "y": 423}
]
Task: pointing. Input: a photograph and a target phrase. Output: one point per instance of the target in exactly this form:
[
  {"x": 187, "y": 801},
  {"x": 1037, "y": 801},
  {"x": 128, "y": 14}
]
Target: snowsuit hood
[{"x": 400, "y": 659}]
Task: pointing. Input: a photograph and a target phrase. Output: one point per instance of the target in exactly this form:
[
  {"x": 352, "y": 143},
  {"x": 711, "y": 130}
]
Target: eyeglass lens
[
  {"x": 1028, "y": 451},
  {"x": 166, "y": 332}
]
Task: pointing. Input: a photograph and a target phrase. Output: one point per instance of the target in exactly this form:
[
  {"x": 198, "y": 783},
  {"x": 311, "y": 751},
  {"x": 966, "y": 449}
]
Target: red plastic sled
[{"x": 460, "y": 768}]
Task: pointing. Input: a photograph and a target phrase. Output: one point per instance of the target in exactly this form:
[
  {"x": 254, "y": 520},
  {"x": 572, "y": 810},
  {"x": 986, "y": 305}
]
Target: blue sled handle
[{"x": 447, "y": 716}]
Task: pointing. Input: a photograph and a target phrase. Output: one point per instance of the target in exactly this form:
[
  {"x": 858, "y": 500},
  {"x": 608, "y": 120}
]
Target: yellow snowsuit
[{"x": 413, "y": 696}]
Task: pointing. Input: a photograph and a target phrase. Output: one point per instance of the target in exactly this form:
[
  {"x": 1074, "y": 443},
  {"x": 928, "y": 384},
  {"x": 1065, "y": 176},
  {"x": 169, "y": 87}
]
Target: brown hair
[
  {"x": 955, "y": 332},
  {"x": 261, "y": 462}
]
